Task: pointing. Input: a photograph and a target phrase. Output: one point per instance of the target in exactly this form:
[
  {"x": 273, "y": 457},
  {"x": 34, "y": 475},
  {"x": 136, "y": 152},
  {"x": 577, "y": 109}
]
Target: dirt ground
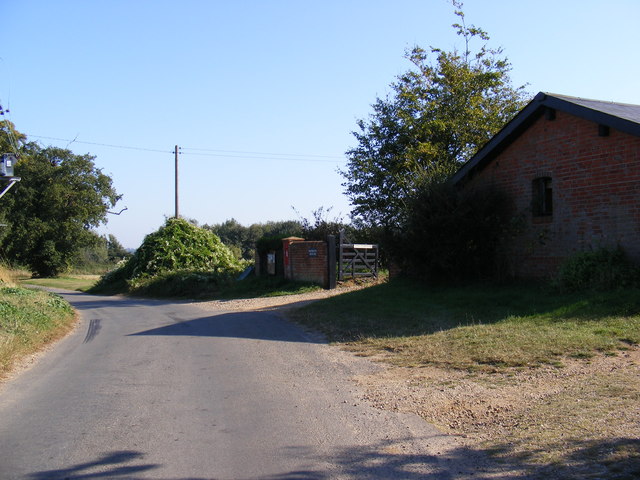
[
  {"x": 577, "y": 420},
  {"x": 595, "y": 400}
]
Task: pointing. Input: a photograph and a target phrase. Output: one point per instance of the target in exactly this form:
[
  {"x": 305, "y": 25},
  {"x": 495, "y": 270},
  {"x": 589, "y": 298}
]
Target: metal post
[
  {"x": 12, "y": 182},
  {"x": 176, "y": 199}
]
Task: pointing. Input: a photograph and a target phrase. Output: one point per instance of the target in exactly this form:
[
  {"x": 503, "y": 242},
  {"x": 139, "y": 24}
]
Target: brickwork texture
[
  {"x": 308, "y": 262},
  {"x": 595, "y": 192}
]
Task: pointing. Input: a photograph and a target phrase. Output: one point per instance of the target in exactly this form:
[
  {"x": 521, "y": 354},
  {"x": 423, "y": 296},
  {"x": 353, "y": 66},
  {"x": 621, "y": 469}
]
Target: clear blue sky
[{"x": 269, "y": 77}]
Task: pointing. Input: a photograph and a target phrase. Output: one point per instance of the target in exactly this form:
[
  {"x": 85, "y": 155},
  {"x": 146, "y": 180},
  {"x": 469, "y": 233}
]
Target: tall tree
[
  {"x": 438, "y": 114},
  {"x": 51, "y": 212},
  {"x": 11, "y": 141}
]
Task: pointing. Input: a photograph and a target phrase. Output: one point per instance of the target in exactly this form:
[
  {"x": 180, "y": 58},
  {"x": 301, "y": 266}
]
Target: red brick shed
[{"x": 571, "y": 168}]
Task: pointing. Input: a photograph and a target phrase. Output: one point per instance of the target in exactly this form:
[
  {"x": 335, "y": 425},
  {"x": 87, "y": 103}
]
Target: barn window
[{"x": 542, "y": 196}]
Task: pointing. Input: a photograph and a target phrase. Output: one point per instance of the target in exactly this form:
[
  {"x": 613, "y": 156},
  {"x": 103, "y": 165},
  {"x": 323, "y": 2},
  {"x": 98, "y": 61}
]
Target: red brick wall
[
  {"x": 308, "y": 268},
  {"x": 596, "y": 191}
]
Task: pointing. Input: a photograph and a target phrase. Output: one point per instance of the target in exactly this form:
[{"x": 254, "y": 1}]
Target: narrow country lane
[{"x": 165, "y": 390}]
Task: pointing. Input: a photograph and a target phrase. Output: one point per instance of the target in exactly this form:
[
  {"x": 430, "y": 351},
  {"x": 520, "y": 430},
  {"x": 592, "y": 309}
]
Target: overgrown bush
[
  {"x": 452, "y": 235},
  {"x": 191, "y": 284},
  {"x": 178, "y": 246},
  {"x": 601, "y": 269}
]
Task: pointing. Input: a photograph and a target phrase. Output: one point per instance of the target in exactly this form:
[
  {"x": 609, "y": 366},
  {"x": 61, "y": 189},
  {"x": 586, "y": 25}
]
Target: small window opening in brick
[
  {"x": 542, "y": 196},
  {"x": 603, "y": 131}
]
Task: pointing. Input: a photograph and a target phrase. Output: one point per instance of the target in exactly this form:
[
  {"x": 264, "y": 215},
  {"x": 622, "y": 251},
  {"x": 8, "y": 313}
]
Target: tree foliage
[
  {"x": 322, "y": 224},
  {"x": 453, "y": 235},
  {"x": 51, "y": 211},
  {"x": 115, "y": 250},
  {"x": 102, "y": 255},
  {"x": 437, "y": 116},
  {"x": 242, "y": 240}
]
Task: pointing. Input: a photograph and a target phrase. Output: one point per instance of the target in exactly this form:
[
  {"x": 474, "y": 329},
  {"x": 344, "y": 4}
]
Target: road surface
[{"x": 169, "y": 390}]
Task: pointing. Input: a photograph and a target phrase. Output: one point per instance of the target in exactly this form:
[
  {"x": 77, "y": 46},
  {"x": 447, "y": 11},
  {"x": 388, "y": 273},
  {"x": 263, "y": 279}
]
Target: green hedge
[{"x": 601, "y": 269}]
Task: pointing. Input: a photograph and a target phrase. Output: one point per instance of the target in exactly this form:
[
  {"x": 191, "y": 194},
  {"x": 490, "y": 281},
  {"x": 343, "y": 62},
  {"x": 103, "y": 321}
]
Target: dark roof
[{"x": 621, "y": 116}]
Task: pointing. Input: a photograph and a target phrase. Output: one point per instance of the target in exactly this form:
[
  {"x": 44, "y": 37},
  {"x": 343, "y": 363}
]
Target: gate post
[
  {"x": 331, "y": 261},
  {"x": 340, "y": 253}
]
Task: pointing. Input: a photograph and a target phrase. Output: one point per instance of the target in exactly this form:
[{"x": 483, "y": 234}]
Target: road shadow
[
  {"x": 85, "y": 301},
  {"x": 386, "y": 460},
  {"x": 584, "y": 459},
  {"x": 117, "y": 464},
  {"x": 246, "y": 325}
]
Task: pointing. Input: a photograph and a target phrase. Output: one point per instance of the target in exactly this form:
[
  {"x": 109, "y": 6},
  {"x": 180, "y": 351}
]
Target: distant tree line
[
  {"x": 104, "y": 253},
  {"x": 243, "y": 239}
]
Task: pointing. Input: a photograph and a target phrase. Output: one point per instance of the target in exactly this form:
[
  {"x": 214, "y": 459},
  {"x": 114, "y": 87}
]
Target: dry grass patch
[
  {"x": 577, "y": 421},
  {"x": 512, "y": 343},
  {"x": 547, "y": 382}
]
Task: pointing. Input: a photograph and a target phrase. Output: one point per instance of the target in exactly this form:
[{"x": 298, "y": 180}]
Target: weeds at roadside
[{"x": 29, "y": 319}]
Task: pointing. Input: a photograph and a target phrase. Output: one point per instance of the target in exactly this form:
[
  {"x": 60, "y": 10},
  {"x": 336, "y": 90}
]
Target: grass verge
[
  {"x": 29, "y": 319},
  {"x": 547, "y": 382},
  {"x": 80, "y": 283},
  {"x": 477, "y": 327}
]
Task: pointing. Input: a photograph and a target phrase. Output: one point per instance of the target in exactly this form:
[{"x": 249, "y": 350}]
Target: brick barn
[{"x": 571, "y": 168}]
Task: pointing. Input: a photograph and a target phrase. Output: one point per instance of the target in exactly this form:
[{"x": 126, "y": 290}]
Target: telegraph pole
[{"x": 176, "y": 157}]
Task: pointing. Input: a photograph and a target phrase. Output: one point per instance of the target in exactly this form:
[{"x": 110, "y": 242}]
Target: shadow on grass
[{"x": 407, "y": 308}]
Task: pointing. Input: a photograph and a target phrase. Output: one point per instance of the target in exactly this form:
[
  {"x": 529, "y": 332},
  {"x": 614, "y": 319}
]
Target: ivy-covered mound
[{"x": 179, "y": 253}]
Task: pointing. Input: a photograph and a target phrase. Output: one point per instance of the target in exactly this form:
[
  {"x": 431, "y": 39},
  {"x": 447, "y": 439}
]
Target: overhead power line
[
  {"x": 70, "y": 141},
  {"x": 209, "y": 152},
  {"x": 267, "y": 156},
  {"x": 261, "y": 153}
]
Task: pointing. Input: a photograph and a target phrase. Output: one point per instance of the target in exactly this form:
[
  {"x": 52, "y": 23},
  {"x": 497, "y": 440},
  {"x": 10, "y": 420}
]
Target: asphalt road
[{"x": 164, "y": 390}]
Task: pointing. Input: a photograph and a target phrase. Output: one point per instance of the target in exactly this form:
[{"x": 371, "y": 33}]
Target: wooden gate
[{"x": 357, "y": 260}]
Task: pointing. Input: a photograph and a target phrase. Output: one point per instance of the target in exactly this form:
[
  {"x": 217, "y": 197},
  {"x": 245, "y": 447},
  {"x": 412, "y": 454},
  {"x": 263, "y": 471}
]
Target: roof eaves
[
  {"x": 503, "y": 138},
  {"x": 535, "y": 108},
  {"x": 594, "y": 111}
]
